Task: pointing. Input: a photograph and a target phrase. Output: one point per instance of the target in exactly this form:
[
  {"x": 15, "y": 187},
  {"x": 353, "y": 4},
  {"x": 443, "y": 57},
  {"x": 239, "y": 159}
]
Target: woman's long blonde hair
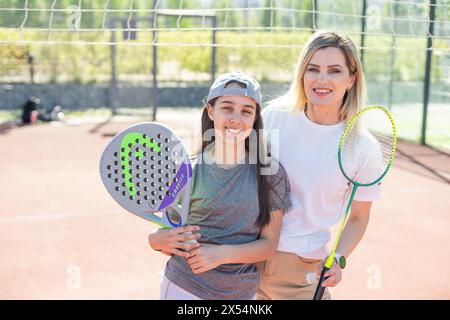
[{"x": 354, "y": 99}]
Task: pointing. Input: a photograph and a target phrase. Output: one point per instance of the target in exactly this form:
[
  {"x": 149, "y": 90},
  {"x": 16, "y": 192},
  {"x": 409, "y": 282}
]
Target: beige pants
[{"x": 284, "y": 278}]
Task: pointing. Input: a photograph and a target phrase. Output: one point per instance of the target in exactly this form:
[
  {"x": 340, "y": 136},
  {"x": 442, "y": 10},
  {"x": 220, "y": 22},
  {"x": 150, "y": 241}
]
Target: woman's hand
[
  {"x": 333, "y": 276},
  {"x": 206, "y": 257},
  {"x": 175, "y": 241}
]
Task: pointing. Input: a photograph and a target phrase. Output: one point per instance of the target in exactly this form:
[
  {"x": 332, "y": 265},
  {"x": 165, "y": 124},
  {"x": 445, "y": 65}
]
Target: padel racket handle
[
  {"x": 162, "y": 222},
  {"x": 320, "y": 290},
  {"x": 190, "y": 241}
]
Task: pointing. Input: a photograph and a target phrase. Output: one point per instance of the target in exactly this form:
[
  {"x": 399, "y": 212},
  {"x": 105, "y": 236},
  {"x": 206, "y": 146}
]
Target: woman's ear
[
  {"x": 210, "y": 110},
  {"x": 351, "y": 81}
]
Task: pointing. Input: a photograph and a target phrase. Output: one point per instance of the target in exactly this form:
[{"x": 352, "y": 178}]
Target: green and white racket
[
  {"x": 147, "y": 170},
  {"x": 366, "y": 151}
]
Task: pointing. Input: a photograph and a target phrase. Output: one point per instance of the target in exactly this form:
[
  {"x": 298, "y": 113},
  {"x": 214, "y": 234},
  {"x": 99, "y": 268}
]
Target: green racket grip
[{"x": 320, "y": 290}]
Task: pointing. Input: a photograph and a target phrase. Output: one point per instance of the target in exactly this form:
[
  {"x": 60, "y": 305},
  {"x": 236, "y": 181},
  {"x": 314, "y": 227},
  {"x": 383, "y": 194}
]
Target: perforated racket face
[
  {"x": 145, "y": 168},
  {"x": 367, "y": 147}
]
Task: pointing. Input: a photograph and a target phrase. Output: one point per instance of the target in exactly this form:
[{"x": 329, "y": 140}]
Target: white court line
[{"x": 41, "y": 217}]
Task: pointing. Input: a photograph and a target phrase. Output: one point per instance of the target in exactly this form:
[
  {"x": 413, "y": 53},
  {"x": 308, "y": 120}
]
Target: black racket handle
[{"x": 320, "y": 290}]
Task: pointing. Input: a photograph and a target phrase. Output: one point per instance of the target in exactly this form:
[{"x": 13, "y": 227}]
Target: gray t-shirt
[{"x": 224, "y": 203}]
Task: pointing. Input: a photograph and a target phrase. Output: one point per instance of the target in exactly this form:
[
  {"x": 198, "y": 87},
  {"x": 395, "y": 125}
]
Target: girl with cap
[
  {"x": 237, "y": 202},
  {"x": 328, "y": 89}
]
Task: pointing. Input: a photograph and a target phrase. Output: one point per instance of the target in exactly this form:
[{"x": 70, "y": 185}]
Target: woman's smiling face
[{"x": 327, "y": 78}]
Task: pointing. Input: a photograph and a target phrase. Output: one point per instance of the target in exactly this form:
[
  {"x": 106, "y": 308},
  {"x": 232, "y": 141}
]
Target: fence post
[
  {"x": 31, "y": 64},
  {"x": 394, "y": 13},
  {"x": 155, "y": 63},
  {"x": 426, "y": 87},
  {"x": 213, "y": 49},
  {"x": 314, "y": 16},
  {"x": 113, "y": 81},
  {"x": 363, "y": 31}
]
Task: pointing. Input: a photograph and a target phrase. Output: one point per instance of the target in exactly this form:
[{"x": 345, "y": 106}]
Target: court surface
[{"x": 63, "y": 237}]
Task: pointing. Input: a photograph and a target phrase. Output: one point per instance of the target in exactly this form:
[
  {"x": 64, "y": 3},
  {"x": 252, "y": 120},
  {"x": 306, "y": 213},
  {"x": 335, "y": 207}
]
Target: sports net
[
  {"x": 97, "y": 43},
  {"x": 90, "y": 22}
]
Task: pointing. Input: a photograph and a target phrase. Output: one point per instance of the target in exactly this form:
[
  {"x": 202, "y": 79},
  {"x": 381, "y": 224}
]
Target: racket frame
[
  {"x": 183, "y": 193},
  {"x": 330, "y": 259},
  {"x": 392, "y": 154}
]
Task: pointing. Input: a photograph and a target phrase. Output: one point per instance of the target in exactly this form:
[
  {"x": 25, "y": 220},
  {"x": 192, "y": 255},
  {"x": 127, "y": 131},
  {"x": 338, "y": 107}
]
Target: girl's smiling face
[
  {"x": 327, "y": 78},
  {"x": 233, "y": 118}
]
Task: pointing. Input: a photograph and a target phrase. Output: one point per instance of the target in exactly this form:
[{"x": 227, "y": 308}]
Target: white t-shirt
[{"x": 319, "y": 191}]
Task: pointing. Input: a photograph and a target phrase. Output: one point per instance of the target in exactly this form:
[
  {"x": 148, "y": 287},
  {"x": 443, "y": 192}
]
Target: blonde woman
[{"x": 328, "y": 89}]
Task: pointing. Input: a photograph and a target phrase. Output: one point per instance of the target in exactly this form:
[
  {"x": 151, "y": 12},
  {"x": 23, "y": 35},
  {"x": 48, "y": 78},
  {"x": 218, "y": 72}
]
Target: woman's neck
[{"x": 324, "y": 115}]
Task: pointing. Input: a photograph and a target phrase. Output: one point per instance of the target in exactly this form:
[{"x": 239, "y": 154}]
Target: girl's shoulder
[
  {"x": 274, "y": 172},
  {"x": 278, "y": 185}
]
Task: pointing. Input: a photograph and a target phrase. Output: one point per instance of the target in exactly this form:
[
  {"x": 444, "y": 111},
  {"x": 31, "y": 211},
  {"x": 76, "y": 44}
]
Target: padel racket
[
  {"x": 366, "y": 151},
  {"x": 147, "y": 170}
]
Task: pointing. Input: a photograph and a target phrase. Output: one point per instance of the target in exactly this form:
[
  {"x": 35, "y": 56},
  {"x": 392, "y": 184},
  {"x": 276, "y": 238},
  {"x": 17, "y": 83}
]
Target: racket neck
[{"x": 330, "y": 259}]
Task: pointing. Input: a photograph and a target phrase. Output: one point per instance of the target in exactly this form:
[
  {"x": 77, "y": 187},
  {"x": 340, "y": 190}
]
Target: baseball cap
[{"x": 252, "y": 87}]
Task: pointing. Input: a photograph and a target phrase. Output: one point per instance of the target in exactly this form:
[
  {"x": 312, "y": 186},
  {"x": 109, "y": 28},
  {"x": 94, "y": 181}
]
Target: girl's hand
[
  {"x": 334, "y": 275},
  {"x": 174, "y": 241},
  {"x": 206, "y": 257}
]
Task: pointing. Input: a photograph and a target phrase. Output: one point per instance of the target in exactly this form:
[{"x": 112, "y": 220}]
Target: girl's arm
[
  {"x": 351, "y": 235},
  {"x": 208, "y": 257},
  {"x": 174, "y": 241}
]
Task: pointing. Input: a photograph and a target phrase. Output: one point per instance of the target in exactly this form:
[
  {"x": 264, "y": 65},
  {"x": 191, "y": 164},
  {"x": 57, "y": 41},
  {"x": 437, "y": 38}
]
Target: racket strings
[
  {"x": 145, "y": 170},
  {"x": 368, "y": 147}
]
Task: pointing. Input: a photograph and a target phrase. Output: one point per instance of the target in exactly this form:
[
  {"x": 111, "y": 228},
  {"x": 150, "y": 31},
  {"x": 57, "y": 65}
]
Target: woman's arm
[
  {"x": 355, "y": 227},
  {"x": 174, "y": 241},
  {"x": 351, "y": 235},
  {"x": 208, "y": 257}
]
